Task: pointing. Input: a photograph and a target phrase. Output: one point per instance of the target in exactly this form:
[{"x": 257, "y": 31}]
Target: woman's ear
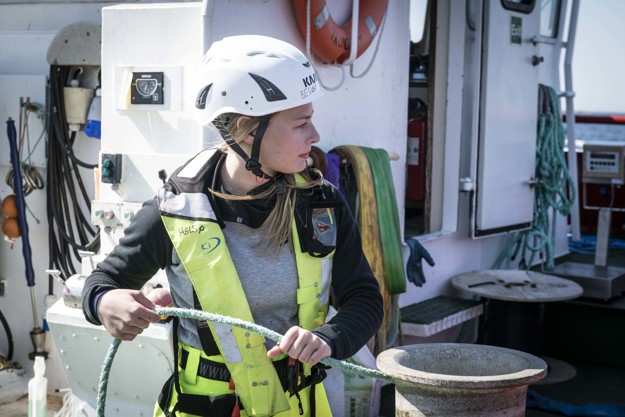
[{"x": 241, "y": 120}]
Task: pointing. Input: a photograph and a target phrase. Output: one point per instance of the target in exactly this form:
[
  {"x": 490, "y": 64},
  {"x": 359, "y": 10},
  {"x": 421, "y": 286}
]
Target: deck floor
[{"x": 593, "y": 384}]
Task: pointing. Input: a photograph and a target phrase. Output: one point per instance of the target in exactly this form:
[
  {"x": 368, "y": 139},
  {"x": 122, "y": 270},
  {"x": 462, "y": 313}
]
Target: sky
[{"x": 599, "y": 57}]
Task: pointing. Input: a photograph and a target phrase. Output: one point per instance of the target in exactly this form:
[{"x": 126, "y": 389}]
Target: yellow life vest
[{"x": 200, "y": 244}]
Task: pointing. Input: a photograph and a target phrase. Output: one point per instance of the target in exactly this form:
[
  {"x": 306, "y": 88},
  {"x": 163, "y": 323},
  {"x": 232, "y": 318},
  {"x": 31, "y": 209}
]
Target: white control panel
[
  {"x": 604, "y": 163},
  {"x": 113, "y": 215}
]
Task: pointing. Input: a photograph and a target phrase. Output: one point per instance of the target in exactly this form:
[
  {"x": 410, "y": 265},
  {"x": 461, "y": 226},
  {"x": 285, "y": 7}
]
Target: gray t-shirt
[{"x": 270, "y": 283}]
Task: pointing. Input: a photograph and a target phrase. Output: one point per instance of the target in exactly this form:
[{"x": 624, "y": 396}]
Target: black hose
[
  {"x": 70, "y": 230},
  {"x": 7, "y": 330}
]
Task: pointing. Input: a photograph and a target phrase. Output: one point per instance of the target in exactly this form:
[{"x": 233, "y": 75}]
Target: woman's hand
[
  {"x": 126, "y": 313},
  {"x": 302, "y": 345}
]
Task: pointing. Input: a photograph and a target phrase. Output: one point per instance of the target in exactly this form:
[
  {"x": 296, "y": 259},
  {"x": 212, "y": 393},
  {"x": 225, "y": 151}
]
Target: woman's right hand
[{"x": 126, "y": 313}]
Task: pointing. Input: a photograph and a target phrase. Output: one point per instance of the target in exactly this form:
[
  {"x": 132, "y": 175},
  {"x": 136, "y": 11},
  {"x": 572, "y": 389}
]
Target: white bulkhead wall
[{"x": 171, "y": 38}]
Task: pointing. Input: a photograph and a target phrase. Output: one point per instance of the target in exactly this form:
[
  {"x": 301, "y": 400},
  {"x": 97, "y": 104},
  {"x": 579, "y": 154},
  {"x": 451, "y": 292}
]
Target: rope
[
  {"x": 551, "y": 193},
  {"x": 218, "y": 318},
  {"x": 310, "y": 57}
]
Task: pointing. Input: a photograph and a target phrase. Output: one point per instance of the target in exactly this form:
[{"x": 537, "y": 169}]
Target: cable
[
  {"x": 31, "y": 178},
  {"x": 70, "y": 231},
  {"x": 218, "y": 318},
  {"x": 7, "y": 330}
]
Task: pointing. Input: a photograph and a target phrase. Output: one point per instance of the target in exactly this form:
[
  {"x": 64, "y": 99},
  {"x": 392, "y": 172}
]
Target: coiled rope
[
  {"x": 552, "y": 192},
  {"x": 218, "y": 318}
]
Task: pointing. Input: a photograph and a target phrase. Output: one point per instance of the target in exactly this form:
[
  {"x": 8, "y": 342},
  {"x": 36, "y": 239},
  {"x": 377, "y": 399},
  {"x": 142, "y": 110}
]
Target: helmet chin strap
[{"x": 252, "y": 162}]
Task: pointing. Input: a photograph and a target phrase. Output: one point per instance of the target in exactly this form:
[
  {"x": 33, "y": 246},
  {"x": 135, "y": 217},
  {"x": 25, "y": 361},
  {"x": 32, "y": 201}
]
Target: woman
[{"x": 247, "y": 231}]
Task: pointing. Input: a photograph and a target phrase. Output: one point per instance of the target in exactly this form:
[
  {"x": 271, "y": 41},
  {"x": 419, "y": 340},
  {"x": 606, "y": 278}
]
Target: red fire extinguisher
[{"x": 415, "y": 160}]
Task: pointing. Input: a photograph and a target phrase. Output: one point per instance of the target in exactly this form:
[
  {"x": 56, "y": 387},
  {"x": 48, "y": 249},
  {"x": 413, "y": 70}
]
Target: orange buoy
[
  {"x": 9, "y": 206},
  {"x": 11, "y": 227},
  {"x": 331, "y": 42}
]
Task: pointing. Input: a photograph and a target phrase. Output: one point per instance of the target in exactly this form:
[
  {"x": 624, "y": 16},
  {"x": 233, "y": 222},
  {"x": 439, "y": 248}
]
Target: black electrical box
[
  {"x": 111, "y": 168},
  {"x": 146, "y": 88}
]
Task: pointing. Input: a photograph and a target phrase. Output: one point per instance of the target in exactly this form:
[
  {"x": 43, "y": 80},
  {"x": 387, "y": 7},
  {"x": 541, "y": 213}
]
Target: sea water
[{"x": 595, "y": 132}]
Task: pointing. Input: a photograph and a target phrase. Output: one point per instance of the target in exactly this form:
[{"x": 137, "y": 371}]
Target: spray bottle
[{"x": 38, "y": 390}]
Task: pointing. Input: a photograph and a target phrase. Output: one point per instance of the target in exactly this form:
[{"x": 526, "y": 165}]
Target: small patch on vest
[{"x": 210, "y": 245}]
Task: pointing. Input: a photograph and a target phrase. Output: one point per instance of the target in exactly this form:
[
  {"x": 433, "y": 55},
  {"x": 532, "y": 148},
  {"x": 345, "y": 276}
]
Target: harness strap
[
  {"x": 218, "y": 371},
  {"x": 288, "y": 370},
  {"x": 294, "y": 386},
  {"x": 206, "y": 368},
  {"x": 203, "y": 405},
  {"x": 317, "y": 375},
  {"x": 164, "y": 398},
  {"x": 209, "y": 346}
]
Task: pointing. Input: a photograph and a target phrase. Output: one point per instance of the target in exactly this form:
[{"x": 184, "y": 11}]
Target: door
[{"x": 508, "y": 117}]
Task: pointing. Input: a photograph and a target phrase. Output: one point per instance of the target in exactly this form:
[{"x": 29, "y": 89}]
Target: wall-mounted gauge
[{"x": 146, "y": 88}]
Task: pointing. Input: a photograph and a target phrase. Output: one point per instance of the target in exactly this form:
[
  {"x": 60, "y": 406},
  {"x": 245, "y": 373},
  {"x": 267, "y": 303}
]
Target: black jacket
[{"x": 146, "y": 248}]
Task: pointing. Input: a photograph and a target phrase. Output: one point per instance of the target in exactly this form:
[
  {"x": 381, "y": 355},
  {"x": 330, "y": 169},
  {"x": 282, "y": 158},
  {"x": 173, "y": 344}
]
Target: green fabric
[{"x": 388, "y": 218}]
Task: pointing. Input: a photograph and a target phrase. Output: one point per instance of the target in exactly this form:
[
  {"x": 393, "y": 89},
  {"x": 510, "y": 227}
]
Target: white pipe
[
  {"x": 354, "y": 43},
  {"x": 570, "y": 118},
  {"x": 208, "y": 8}
]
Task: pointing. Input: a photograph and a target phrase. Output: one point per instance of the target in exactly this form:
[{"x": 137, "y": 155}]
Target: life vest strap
[
  {"x": 206, "y": 368},
  {"x": 205, "y": 406},
  {"x": 218, "y": 371}
]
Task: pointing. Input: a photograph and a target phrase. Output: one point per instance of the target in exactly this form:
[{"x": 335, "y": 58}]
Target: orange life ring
[{"x": 331, "y": 42}]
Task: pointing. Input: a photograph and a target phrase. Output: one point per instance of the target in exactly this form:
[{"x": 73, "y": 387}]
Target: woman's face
[{"x": 287, "y": 141}]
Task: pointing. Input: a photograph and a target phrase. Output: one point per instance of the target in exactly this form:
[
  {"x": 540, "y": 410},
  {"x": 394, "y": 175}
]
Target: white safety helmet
[{"x": 253, "y": 75}]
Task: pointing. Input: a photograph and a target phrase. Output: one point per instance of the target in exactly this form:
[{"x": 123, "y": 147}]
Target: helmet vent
[
  {"x": 200, "y": 100},
  {"x": 264, "y": 53},
  {"x": 271, "y": 92}
]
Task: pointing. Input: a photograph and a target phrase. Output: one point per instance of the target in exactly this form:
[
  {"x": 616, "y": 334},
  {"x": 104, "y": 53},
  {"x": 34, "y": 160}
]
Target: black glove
[{"x": 414, "y": 268}]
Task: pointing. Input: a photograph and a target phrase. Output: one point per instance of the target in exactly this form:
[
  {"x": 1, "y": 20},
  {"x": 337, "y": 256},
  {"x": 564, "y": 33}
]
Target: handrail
[{"x": 570, "y": 111}]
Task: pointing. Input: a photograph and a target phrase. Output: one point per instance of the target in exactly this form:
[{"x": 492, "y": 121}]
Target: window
[{"x": 549, "y": 12}]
